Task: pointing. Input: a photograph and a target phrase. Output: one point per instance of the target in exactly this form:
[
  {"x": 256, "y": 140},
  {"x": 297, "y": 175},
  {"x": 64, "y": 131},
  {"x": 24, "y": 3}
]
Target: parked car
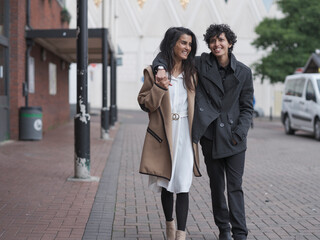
[{"x": 301, "y": 104}]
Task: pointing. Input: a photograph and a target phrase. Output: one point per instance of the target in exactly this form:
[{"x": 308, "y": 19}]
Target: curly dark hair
[
  {"x": 170, "y": 39},
  {"x": 216, "y": 30}
]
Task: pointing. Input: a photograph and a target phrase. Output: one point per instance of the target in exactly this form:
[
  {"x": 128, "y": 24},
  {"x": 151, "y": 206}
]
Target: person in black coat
[{"x": 222, "y": 118}]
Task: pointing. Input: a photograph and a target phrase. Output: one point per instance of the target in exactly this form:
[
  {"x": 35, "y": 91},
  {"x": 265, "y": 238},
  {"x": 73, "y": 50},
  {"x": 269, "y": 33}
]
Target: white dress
[{"x": 182, "y": 162}]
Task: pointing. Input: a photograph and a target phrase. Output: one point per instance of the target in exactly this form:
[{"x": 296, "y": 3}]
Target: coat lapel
[
  {"x": 211, "y": 73},
  {"x": 231, "y": 81}
]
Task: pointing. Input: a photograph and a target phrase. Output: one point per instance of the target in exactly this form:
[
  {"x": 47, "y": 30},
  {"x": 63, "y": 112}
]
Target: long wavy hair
[{"x": 170, "y": 39}]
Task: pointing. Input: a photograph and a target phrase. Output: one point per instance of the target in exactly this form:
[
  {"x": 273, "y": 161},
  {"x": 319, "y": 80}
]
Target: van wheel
[
  {"x": 287, "y": 127},
  {"x": 317, "y": 129}
]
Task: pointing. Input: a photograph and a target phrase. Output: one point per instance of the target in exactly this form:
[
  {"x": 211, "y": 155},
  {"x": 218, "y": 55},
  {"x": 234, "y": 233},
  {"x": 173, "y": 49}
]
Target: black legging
[{"x": 182, "y": 205}]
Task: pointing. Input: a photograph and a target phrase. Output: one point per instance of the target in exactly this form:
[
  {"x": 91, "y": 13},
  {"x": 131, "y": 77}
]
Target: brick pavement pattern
[
  {"x": 36, "y": 200},
  {"x": 281, "y": 186}
]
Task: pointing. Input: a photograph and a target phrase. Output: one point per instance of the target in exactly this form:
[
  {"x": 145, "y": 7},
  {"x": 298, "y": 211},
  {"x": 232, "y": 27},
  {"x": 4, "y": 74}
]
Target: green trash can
[{"x": 30, "y": 123}]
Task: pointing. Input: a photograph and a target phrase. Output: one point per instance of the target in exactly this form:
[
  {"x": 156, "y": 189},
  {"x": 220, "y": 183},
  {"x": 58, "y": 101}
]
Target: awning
[{"x": 63, "y": 43}]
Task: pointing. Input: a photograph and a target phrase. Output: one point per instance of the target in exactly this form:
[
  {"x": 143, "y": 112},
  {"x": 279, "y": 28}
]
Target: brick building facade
[{"x": 43, "y": 14}]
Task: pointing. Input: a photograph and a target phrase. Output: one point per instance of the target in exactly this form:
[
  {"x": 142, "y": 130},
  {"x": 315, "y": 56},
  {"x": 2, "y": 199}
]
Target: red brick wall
[
  {"x": 55, "y": 108},
  {"x": 44, "y": 14}
]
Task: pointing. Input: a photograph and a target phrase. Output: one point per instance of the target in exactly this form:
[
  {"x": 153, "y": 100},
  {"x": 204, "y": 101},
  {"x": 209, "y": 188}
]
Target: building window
[{"x": 52, "y": 79}]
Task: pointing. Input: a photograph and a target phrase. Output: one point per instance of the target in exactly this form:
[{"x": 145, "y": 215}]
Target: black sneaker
[{"x": 225, "y": 236}]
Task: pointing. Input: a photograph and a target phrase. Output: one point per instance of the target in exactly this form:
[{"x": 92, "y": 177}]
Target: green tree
[{"x": 288, "y": 41}]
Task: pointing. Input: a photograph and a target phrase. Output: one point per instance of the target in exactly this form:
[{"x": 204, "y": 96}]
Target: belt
[{"x": 177, "y": 116}]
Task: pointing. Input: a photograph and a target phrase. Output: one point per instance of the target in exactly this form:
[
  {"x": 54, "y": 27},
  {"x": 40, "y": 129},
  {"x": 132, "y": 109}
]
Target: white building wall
[{"x": 138, "y": 32}]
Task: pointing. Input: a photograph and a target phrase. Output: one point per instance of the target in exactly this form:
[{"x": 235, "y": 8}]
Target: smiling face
[
  {"x": 183, "y": 47},
  {"x": 219, "y": 46}
]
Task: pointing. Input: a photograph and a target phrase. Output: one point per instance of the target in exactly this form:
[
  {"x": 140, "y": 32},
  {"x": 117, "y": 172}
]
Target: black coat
[{"x": 228, "y": 105}]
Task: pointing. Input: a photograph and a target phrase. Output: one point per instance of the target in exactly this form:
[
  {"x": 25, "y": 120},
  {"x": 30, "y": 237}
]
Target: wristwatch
[{"x": 160, "y": 68}]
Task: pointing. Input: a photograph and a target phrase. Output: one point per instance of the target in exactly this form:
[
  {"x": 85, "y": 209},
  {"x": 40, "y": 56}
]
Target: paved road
[{"x": 281, "y": 186}]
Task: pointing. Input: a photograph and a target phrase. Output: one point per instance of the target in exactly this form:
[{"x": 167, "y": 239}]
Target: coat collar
[
  {"x": 233, "y": 62},
  {"x": 212, "y": 60},
  {"x": 212, "y": 72}
]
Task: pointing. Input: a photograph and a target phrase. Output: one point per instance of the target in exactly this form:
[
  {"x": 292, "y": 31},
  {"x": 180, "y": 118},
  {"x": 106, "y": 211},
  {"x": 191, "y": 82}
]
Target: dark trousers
[{"x": 229, "y": 168}]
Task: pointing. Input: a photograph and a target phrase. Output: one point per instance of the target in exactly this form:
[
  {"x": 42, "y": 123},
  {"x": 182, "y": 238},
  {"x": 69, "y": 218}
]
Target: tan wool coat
[{"x": 156, "y": 159}]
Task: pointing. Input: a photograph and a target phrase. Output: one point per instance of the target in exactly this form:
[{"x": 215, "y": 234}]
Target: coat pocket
[
  {"x": 233, "y": 126},
  {"x": 154, "y": 135}
]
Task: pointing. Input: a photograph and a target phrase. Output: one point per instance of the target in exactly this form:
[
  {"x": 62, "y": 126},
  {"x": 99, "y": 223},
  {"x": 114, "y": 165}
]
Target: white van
[{"x": 301, "y": 104}]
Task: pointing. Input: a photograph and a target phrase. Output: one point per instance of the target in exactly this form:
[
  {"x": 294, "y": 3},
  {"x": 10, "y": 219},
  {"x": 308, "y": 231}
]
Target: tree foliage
[{"x": 288, "y": 41}]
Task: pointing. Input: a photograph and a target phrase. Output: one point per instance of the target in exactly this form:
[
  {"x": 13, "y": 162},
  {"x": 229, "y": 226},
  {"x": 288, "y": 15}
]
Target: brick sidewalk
[
  {"x": 281, "y": 188},
  {"x": 36, "y": 200}
]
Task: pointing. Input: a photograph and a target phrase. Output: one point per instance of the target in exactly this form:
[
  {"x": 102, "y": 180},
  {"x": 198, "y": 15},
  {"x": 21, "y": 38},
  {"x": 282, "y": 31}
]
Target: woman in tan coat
[{"x": 169, "y": 157}]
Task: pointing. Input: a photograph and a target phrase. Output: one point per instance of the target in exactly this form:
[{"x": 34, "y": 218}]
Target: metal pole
[
  {"x": 115, "y": 90},
  {"x": 82, "y": 118},
  {"x": 29, "y": 44},
  {"x": 104, "y": 110},
  {"x": 112, "y": 92}
]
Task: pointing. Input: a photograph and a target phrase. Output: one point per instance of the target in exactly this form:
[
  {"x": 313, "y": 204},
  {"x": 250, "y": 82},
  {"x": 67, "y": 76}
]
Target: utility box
[{"x": 30, "y": 123}]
